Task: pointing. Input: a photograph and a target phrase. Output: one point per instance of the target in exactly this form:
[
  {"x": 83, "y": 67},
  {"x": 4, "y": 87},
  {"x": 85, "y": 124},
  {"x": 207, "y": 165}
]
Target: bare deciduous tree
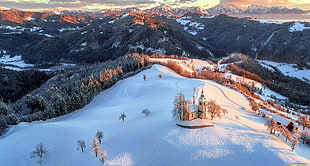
[
  {"x": 122, "y": 117},
  {"x": 102, "y": 157},
  {"x": 96, "y": 147},
  {"x": 99, "y": 135},
  {"x": 213, "y": 109},
  {"x": 305, "y": 136},
  {"x": 39, "y": 152},
  {"x": 81, "y": 145},
  {"x": 303, "y": 121},
  {"x": 180, "y": 105},
  {"x": 271, "y": 125},
  {"x": 144, "y": 77}
]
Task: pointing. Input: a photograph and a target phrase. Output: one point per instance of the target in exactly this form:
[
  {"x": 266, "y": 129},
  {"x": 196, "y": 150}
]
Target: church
[{"x": 195, "y": 111}]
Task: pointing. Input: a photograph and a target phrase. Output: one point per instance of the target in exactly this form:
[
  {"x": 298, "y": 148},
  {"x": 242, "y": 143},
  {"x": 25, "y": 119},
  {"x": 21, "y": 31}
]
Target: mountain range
[
  {"x": 167, "y": 10},
  {"x": 79, "y": 37}
]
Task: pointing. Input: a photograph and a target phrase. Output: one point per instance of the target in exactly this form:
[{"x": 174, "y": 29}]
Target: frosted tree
[
  {"x": 99, "y": 135},
  {"x": 303, "y": 121},
  {"x": 271, "y": 125},
  {"x": 180, "y": 105},
  {"x": 146, "y": 112},
  {"x": 40, "y": 152},
  {"x": 81, "y": 145},
  {"x": 102, "y": 157},
  {"x": 305, "y": 136},
  {"x": 213, "y": 109},
  {"x": 96, "y": 147},
  {"x": 122, "y": 117}
]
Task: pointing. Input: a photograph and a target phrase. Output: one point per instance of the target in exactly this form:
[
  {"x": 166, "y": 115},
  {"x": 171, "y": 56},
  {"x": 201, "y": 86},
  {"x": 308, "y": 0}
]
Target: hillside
[
  {"x": 153, "y": 140},
  {"x": 52, "y": 38}
]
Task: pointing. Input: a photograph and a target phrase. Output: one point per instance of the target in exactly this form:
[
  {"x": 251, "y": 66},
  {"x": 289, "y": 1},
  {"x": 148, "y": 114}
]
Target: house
[{"x": 195, "y": 111}]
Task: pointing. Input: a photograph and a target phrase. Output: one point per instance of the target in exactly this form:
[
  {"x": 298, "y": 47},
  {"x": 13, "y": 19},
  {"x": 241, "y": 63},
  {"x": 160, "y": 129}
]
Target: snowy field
[
  {"x": 288, "y": 69},
  {"x": 153, "y": 140}
]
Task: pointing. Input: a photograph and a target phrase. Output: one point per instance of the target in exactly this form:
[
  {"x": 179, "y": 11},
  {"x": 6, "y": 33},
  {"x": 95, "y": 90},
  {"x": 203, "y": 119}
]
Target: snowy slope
[
  {"x": 288, "y": 69},
  {"x": 153, "y": 140}
]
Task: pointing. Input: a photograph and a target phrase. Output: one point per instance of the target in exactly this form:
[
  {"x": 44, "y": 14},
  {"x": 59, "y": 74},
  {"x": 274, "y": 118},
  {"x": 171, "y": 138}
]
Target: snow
[
  {"x": 187, "y": 23},
  {"x": 297, "y": 27},
  {"x": 152, "y": 140},
  {"x": 267, "y": 21},
  {"x": 16, "y": 61},
  {"x": 289, "y": 69}
]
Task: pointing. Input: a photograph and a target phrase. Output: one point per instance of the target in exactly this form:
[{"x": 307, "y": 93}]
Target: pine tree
[
  {"x": 96, "y": 147},
  {"x": 81, "y": 145},
  {"x": 99, "y": 135}
]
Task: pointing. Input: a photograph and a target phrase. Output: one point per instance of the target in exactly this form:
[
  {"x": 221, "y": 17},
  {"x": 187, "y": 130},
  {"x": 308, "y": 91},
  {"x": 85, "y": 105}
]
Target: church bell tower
[{"x": 202, "y": 106}]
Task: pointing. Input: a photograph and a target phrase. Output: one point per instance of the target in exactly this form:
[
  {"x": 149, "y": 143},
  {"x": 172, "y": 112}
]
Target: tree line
[{"x": 69, "y": 90}]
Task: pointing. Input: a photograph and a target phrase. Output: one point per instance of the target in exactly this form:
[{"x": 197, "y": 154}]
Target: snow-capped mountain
[
  {"x": 259, "y": 9},
  {"x": 225, "y": 9}
]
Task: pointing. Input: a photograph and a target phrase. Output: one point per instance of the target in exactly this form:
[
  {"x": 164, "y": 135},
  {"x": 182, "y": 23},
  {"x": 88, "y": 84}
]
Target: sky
[{"x": 103, "y": 4}]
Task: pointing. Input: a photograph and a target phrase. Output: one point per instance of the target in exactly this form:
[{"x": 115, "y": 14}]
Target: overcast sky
[{"x": 100, "y": 4}]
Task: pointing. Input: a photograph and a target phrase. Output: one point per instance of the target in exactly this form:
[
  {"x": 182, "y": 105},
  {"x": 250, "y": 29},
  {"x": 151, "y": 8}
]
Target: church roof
[{"x": 193, "y": 107}]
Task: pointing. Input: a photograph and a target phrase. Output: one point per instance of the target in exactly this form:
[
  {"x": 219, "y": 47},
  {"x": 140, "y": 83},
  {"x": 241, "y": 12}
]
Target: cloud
[{"x": 73, "y": 3}]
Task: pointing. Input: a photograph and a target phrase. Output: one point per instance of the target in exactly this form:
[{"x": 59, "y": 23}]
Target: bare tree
[
  {"x": 144, "y": 77},
  {"x": 214, "y": 109},
  {"x": 122, "y": 117},
  {"x": 294, "y": 143},
  {"x": 271, "y": 125},
  {"x": 180, "y": 105},
  {"x": 303, "y": 121},
  {"x": 39, "y": 152},
  {"x": 81, "y": 145},
  {"x": 305, "y": 136},
  {"x": 102, "y": 157},
  {"x": 224, "y": 111},
  {"x": 237, "y": 117},
  {"x": 96, "y": 147},
  {"x": 160, "y": 75},
  {"x": 146, "y": 112},
  {"x": 99, "y": 135},
  {"x": 286, "y": 133}
]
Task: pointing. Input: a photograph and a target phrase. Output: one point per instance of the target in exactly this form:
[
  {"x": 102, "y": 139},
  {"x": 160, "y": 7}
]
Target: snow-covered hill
[{"x": 152, "y": 140}]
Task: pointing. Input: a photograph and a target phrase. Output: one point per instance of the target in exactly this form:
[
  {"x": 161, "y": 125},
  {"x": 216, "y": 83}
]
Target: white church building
[{"x": 195, "y": 111}]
